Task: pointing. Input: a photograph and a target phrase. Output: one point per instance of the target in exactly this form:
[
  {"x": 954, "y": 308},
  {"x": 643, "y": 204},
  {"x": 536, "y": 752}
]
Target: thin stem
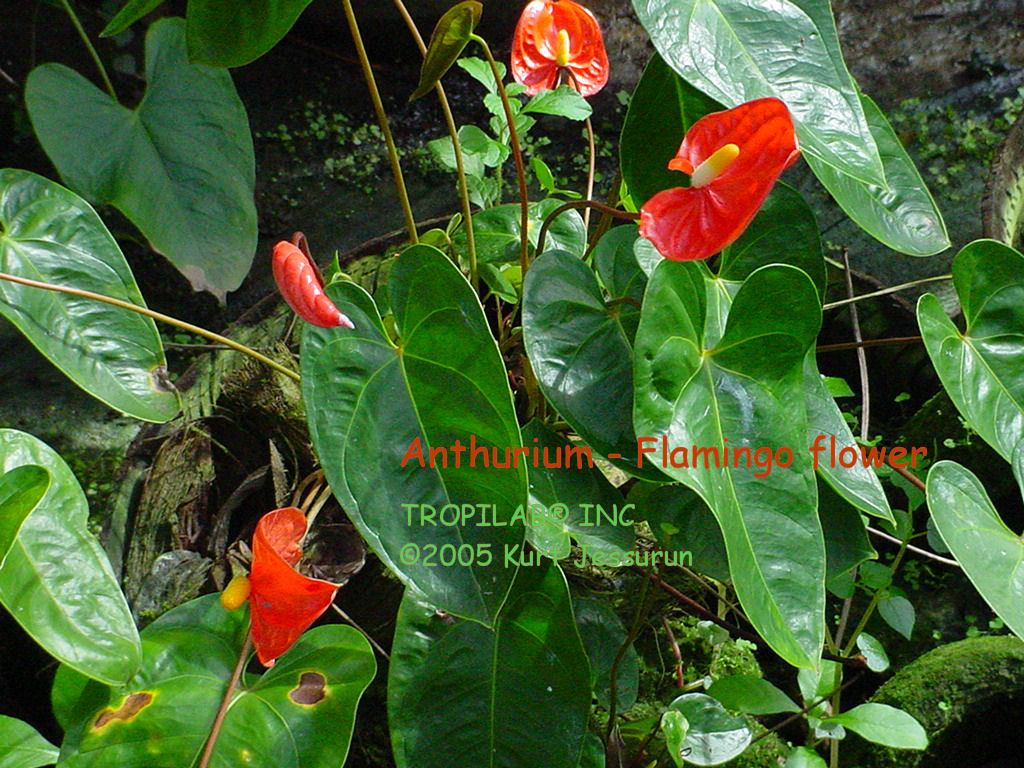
[
  {"x": 218, "y": 721},
  {"x": 382, "y": 120},
  {"x": 197, "y": 330},
  {"x": 591, "y": 171},
  {"x": 875, "y": 600},
  {"x": 912, "y": 548},
  {"x": 638, "y": 619},
  {"x": 894, "y": 341},
  {"x": 796, "y": 715},
  {"x": 467, "y": 210},
  {"x": 517, "y": 156},
  {"x": 676, "y": 653},
  {"x": 911, "y": 477},
  {"x": 92, "y": 51},
  {"x": 574, "y": 205},
  {"x": 862, "y": 360},
  {"x": 886, "y": 291},
  {"x": 365, "y": 634}
]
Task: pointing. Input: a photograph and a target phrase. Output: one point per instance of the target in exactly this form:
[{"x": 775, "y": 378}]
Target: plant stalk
[
  {"x": 197, "y": 330},
  {"x": 517, "y": 156},
  {"x": 885, "y": 291},
  {"x": 467, "y": 210},
  {"x": 92, "y": 51},
  {"x": 576, "y": 204},
  {"x": 382, "y": 120},
  {"x": 218, "y": 721}
]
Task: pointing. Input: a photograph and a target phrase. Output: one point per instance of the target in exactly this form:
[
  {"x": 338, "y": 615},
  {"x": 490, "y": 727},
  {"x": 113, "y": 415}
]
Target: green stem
[
  {"x": 218, "y": 721},
  {"x": 197, "y": 330},
  {"x": 467, "y": 210},
  {"x": 92, "y": 51},
  {"x": 591, "y": 172},
  {"x": 517, "y": 156},
  {"x": 886, "y": 291},
  {"x": 382, "y": 120},
  {"x": 875, "y": 600}
]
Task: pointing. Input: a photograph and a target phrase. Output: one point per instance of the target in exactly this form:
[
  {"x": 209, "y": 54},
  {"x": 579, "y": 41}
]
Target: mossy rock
[{"x": 968, "y": 696}]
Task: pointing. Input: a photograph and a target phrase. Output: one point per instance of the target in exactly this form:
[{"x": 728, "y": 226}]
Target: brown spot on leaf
[
  {"x": 130, "y": 707},
  {"x": 310, "y": 689}
]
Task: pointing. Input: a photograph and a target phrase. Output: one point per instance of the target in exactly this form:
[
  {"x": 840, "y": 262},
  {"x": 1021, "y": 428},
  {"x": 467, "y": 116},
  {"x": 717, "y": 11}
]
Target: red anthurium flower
[
  {"x": 733, "y": 158},
  {"x": 283, "y": 602},
  {"x": 300, "y": 285},
  {"x": 554, "y": 35}
]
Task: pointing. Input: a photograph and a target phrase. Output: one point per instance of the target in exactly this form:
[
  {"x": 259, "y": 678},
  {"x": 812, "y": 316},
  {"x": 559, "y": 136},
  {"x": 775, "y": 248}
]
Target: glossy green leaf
[
  {"x": 621, "y": 275},
  {"x": 714, "y": 736},
  {"x": 132, "y": 11},
  {"x": 50, "y": 234},
  {"x": 873, "y": 651},
  {"x": 572, "y": 497},
  {"x": 817, "y": 685},
  {"x": 299, "y": 713},
  {"x": 56, "y": 581},
  {"x": 180, "y": 165},
  {"x": 991, "y": 554},
  {"x": 883, "y": 724},
  {"x": 751, "y": 695},
  {"x": 580, "y": 352},
  {"x": 828, "y": 430},
  {"x": 982, "y": 368},
  {"x": 901, "y": 213},
  {"x": 21, "y": 489},
  {"x": 449, "y": 38},
  {"x": 747, "y": 389},
  {"x": 497, "y": 231},
  {"x": 603, "y": 636},
  {"x": 461, "y": 695},
  {"x": 563, "y": 101},
  {"x": 898, "y": 613},
  {"x": 21, "y": 746},
  {"x": 661, "y": 111},
  {"x": 784, "y": 231},
  {"x": 804, "y": 757},
  {"x": 738, "y": 50},
  {"x": 226, "y": 33},
  {"x": 371, "y": 405}
]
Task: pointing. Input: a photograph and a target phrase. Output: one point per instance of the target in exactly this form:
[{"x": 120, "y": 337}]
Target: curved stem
[
  {"x": 197, "y": 330},
  {"x": 592, "y": 155},
  {"x": 218, "y": 721},
  {"x": 92, "y": 51},
  {"x": 467, "y": 210},
  {"x": 576, "y": 204},
  {"x": 875, "y": 600},
  {"x": 517, "y": 156},
  {"x": 382, "y": 120},
  {"x": 886, "y": 291},
  {"x": 895, "y": 340}
]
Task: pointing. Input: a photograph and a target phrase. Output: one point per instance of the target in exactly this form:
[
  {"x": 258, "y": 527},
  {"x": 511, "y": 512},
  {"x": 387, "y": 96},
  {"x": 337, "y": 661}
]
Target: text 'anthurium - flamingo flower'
[
  {"x": 282, "y": 602},
  {"x": 554, "y": 35},
  {"x": 301, "y": 286},
  {"x": 733, "y": 158}
]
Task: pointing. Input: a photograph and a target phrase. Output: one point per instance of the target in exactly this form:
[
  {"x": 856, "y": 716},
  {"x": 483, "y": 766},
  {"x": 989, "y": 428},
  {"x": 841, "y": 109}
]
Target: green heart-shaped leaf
[
  {"x": 226, "y": 33},
  {"x": 748, "y": 390},
  {"x": 299, "y": 713},
  {"x": 517, "y": 695},
  {"x": 56, "y": 581},
  {"x": 982, "y": 368},
  {"x": 883, "y": 724},
  {"x": 713, "y": 735},
  {"x": 180, "y": 165},
  {"x": 23, "y": 747},
  {"x": 51, "y": 235},
  {"x": 376, "y": 409}
]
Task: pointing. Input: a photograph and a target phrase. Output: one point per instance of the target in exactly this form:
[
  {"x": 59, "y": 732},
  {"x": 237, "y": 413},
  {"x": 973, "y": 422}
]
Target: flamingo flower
[
  {"x": 553, "y": 35},
  {"x": 302, "y": 287},
  {"x": 733, "y": 158},
  {"x": 282, "y": 601}
]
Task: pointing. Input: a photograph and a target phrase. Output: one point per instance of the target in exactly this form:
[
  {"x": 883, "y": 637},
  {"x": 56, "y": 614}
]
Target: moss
[{"x": 967, "y": 695}]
